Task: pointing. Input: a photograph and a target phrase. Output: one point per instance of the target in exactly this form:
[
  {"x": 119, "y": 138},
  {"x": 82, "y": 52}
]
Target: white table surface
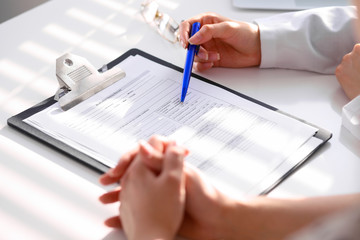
[{"x": 46, "y": 195}]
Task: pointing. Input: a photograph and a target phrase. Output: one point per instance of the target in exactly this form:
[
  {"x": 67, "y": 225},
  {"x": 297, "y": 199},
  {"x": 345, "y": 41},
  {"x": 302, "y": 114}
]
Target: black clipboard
[{"x": 17, "y": 122}]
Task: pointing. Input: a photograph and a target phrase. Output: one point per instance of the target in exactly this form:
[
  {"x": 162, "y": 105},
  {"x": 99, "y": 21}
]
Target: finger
[
  {"x": 110, "y": 197},
  {"x": 206, "y": 56},
  {"x": 174, "y": 159},
  {"x": 113, "y": 222},
  {"x": 202, "y": 55},
  {"x": 150, "y": 157},
  {"x": 123, "y": 163},
  {"x": 356, "y": 56},
  {"x": 184, "y": 31},
  {"x": 105, "y": 179},
  {"x": 145, "y": 165},
  {"x": 208, "y": 32},
  {"x": 200, "y": 67},
  {"x": 356, "y": 49},
  {"x": 158, "y": 142},
  {"x": 204, "y": 18},
  {"x": 115, "y": 174},
  {"x": 185, "y": 28}
]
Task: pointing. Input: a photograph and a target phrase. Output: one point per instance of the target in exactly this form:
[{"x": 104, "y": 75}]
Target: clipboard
[{"x": 17, "y": 122}]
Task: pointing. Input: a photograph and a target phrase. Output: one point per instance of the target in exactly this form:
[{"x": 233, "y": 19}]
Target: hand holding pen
[{"x": 223, "y": 42}]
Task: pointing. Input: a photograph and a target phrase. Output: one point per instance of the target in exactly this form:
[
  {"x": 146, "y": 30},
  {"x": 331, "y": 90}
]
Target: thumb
[
  {"x": 208, "y": 32},
  {"x": 151, "y": 157}
]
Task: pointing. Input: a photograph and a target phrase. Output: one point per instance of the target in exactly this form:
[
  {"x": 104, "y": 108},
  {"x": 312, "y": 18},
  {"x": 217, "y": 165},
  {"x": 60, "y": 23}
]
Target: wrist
[
  {"x": 257, "y": 44},
  {"x": 253, "y": 42},
  {"x": 232, "y": 219},
  {"x": 239, "y": 220}
]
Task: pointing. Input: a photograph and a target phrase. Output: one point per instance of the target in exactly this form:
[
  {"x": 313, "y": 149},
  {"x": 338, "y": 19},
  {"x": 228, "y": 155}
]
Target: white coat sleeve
[
  {"x": 313, "y": 40},
  {"x": 351, "y": 116}
]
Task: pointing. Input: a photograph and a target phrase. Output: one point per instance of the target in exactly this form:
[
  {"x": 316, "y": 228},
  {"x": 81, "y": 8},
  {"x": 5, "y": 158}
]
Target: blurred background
[{"x": 12, "y": 8}]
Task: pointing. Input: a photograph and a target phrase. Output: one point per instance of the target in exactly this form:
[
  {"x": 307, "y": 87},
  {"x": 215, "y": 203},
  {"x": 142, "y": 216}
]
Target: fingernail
[
  {"x": 111, "y": 172},
  {"x": 191, "y": 40},
  {"x": 172, "y": 143},
  {"x": 147, "y": 149},
  {"x": 182, "y": 43},
  {"x": 186, "y": 151},
  {"x": 195, "y": 39},
  {"x": 101, "y": 199},
  {"x": 203, "y": 55}
]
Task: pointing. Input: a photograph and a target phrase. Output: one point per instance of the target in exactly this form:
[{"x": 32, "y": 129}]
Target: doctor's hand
[
  {"x": 224, "y": 42},
  {"x": 348, "y": 73}
]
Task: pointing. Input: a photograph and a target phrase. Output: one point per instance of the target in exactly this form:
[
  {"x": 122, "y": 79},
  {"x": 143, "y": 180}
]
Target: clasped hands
[
  {"x": 152, "y": 191},
  {"x": 160, "y": 195}
]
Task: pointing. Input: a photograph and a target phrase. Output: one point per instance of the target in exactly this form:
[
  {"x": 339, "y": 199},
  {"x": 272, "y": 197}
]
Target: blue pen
[{"x": 192, "y": 50}]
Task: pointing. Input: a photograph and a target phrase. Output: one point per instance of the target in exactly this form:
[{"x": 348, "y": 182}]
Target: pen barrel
[
  {"x": 195, "y": 28},
  {"x": 192, "y": 50},
  {"x": 188, "y": 66}
]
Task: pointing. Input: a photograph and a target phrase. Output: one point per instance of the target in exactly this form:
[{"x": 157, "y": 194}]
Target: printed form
[{"x": 237, "y": 143}]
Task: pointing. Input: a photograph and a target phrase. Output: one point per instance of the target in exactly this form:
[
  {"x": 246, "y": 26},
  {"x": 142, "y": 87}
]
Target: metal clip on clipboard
[{"x": 79, "y": 80}]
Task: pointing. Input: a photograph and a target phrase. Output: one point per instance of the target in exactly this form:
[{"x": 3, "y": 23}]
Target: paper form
[{"x": 235, "y": 142}]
